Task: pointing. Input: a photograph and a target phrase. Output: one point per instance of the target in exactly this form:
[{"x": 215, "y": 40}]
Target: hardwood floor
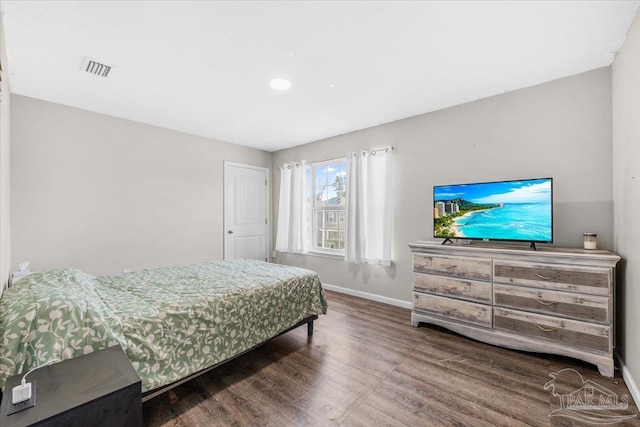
[{"x": 366, "y": 366}]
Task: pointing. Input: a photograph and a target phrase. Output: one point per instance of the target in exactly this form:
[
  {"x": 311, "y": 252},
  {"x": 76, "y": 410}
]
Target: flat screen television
[{"x": 519, "y": 210}]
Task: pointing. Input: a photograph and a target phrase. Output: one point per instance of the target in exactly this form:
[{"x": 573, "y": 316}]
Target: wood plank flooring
[{"x": 366, "y": 366}]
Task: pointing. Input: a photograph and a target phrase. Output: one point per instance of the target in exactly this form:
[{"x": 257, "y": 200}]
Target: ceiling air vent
[{"x": 92, "y": 66}]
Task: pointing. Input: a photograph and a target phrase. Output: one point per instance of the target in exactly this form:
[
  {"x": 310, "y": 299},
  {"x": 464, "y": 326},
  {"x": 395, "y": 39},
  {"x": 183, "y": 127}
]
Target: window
[
  {"x": 326, "y": 192},
  {"x": 313, "y": 207}
]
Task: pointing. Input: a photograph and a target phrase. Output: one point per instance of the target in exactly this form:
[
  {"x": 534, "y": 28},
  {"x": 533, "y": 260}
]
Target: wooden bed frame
[{"x": 158, "y": 391}]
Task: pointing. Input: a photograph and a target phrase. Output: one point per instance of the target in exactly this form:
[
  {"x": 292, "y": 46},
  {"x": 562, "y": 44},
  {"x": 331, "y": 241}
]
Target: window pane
[
  {"x": 329, "y": 231},
  {"x": 321, "y": 185},
  {"x": 330, "y": 184},
  {"x": 327, "y": 191},
  {"x": 309, "y": 177},
  {"x": 332, "y": 199},
  {"x": 342, "y": 173}
]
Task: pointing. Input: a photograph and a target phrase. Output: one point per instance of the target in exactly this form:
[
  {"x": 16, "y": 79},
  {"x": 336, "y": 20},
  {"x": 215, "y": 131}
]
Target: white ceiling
[{"x": 203, "y": 67}]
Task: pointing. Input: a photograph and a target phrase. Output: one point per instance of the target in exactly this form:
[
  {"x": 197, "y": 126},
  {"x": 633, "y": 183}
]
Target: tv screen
[{"x": 506, "y": 210}]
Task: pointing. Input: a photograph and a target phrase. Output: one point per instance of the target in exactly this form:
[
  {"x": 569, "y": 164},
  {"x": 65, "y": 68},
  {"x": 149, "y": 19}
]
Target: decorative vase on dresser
[{"x": 550, "y": 300}]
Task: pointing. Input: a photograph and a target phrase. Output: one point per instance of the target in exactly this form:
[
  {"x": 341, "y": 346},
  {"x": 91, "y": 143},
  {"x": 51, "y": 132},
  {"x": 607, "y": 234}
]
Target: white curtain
[
  {"x": 293, "y": 234},
  {"x": 369, "y": 206}
]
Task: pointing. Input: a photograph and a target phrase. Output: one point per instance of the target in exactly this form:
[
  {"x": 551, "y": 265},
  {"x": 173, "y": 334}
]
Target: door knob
[{"x": 230, "y": 231}]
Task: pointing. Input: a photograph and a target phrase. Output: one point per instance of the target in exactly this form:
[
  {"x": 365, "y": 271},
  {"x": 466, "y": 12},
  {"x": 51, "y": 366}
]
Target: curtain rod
[
  {"x": 385, "y": 149},
  {"x": 375, "y": 151},
  {"x": 289, "y": 165},
  {"x": 372, "y": 152}
]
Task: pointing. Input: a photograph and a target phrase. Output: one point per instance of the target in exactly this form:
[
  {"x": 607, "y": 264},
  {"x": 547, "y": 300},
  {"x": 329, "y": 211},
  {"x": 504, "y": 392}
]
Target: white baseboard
[
  {"x": 628, "y": 379},
  {"x": 367, "y": 295}
]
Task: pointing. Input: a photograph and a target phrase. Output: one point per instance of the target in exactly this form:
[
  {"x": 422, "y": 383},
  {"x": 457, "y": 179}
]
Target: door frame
[{"x": 225, "y": 190}]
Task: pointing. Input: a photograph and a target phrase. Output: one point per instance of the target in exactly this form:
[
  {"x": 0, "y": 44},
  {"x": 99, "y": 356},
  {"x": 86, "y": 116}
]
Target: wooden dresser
[{"x": 552, "y": 300}]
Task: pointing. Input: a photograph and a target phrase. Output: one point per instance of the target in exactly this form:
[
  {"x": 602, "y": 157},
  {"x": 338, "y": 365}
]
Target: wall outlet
[{"x": 127, "y": 271}]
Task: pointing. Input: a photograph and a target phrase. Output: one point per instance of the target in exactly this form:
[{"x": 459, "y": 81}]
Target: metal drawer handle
[
  {"x": 547, "y": 277},
  {"x": 546, "y": 303},
  {"x": 546, "y": 329},
  {"x": 449, "y": 267}
]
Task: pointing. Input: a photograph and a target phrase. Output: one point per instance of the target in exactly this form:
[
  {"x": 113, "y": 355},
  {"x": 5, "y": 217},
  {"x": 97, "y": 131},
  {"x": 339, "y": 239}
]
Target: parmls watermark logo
[{"x": 589, "y": 402}]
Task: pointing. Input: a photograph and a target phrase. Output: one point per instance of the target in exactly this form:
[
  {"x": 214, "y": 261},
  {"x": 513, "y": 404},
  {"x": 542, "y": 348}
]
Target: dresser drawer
[
  {"x": 571, "y": 333},
  {"x": 466, "y": 268},
  {"x": 595, "y": 281},
  {"x": 450, "y": 286},
  {"x": 469, "y": 312},
  {"x": 591, "y": 308}
]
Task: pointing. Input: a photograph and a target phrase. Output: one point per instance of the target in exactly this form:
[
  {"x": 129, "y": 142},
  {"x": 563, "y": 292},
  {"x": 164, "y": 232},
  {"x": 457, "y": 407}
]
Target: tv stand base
[{"x": 552, "y": 300}]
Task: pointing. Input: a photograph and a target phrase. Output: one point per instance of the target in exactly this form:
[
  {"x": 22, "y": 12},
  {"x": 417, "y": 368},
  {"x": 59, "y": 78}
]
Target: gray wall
[
  {"x": 5, "y": 146},
  {"x": 626, "y": 194},
  {"x": 560, "y": 129},
  {"x": 105, "y": 194}
]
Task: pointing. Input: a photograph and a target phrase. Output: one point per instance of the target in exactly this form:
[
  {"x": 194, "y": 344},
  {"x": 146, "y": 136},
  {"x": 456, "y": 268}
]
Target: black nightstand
[{"x": 97, "y": 389}]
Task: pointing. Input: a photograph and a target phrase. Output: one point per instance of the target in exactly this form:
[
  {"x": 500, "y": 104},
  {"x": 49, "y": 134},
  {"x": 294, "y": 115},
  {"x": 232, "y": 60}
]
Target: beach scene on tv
[{"x": 510, "y": 210}]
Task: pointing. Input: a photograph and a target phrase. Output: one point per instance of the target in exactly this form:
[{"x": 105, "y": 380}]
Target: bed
[{"x": 171, "y": 322}]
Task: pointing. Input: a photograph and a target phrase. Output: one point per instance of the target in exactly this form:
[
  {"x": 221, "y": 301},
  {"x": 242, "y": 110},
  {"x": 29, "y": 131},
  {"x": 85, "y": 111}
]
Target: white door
[{"x": 245, "y": 211}]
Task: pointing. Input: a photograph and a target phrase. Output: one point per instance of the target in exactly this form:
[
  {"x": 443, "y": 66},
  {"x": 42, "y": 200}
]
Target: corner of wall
[
  {"x": 626, "y": 200},
  {"x": 5, "y": 100}
]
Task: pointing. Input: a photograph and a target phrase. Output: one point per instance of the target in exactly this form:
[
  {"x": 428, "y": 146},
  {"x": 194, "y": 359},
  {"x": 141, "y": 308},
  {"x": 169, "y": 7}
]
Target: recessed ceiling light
[{"x": 280, "y": 84}]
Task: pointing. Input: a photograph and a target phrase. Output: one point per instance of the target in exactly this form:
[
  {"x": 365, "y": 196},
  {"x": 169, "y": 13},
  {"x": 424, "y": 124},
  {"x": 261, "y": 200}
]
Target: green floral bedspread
[{"x": 171, "y": 322}]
